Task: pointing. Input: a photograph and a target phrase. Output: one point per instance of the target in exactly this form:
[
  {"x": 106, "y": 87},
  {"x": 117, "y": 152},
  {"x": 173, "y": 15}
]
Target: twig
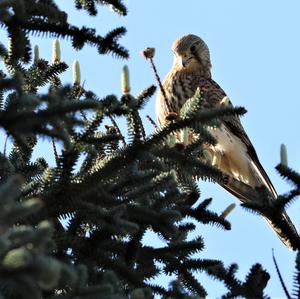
[
  {"x": 152, "y": 122},
  {"x": 160, "y": 84},
  {"x": 5, "y": 145},
  {"x": 280, "y": 277},
  {"x": 80, "y": 92},
  {"x": 143, "y": 132},
  {"x": 118, "y": 129},
  {"x": 148, "y": 53},
  {"x": 55, "y": 150}
]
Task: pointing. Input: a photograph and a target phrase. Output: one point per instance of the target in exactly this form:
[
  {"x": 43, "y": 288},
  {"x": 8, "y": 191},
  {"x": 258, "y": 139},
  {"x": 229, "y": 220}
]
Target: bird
[{"x": 234, "y": 153}]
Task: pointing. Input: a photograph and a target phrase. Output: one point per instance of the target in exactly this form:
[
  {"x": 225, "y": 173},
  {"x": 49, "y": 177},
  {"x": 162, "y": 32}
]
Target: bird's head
[{"x": 191, "y": 53}]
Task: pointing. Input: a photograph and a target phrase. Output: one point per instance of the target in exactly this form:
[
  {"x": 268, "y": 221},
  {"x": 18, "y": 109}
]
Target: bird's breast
[
  {"x": 182, "y": 88},
  {"x": 230, "y": 156}
]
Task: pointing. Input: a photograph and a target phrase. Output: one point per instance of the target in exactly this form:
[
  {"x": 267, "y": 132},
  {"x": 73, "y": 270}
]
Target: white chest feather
[{"x": 230, "y": 155}]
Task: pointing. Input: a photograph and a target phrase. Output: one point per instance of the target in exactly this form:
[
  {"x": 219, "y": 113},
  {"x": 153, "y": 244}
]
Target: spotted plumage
[{"x": 234, "y": 153}]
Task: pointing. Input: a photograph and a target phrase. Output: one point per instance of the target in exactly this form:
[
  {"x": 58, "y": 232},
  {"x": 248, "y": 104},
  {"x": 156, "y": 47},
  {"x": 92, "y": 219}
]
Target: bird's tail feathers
[
  {"x": 248, "y": 195},
  {"x": 292, "y": 241}
]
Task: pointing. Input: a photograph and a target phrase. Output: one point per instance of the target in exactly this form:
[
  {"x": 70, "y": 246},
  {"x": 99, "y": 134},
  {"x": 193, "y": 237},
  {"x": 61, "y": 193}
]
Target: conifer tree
[{"x": 126, "y": 184}]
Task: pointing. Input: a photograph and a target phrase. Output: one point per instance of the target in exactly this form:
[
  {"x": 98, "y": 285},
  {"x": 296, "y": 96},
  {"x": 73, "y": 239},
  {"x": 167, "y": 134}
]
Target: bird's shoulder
[{"x": 213, "y": 94}]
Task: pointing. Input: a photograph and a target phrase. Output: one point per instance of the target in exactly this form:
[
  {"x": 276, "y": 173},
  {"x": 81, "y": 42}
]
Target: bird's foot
[{"x": 172, "y": 116}]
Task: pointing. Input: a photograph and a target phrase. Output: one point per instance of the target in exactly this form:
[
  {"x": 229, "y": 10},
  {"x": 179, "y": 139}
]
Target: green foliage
[
  {"x": 108, "y": 192},
  {"x": 296, "y": 290},
  {"x": 273, "y": 210},
  {"x": 19, "y": 17},
  {"x": 91, "y": 6},
  {"x": 255, "y": 281},
  {"x": 28, "y": 267}
]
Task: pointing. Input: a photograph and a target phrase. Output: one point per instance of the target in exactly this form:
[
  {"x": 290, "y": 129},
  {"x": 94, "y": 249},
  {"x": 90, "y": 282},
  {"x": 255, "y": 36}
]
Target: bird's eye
[{"x": 193, "y": 49}]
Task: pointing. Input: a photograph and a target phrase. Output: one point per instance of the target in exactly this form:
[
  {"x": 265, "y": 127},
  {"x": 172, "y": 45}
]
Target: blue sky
[{"x": 255, "y": 50}]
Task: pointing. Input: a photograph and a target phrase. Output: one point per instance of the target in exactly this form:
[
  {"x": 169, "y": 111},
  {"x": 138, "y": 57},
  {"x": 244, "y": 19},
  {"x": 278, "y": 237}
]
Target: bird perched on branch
[{"x": 234, "y": 152}]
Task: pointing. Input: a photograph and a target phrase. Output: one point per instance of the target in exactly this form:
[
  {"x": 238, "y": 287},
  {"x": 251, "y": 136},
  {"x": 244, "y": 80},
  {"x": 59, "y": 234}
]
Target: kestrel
[{"x": 234, "y": 153}]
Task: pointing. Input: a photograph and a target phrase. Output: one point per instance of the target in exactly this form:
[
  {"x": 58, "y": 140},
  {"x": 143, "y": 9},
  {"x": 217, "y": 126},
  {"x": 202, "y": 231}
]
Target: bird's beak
[{"x": 184, "y": 61}]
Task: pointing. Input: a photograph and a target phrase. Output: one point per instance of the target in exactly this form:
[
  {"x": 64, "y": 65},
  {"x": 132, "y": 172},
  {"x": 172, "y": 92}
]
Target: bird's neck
[{"x": 193, "y": 69}]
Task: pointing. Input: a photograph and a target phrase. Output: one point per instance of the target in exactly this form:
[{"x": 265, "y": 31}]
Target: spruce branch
[
  {"x": 276, "y": 217},
  {"x": 144, "y": 96},
  {"x": 289, "y": 174},
  {"x": 79, "y": 36},
  {"x": 90, "y": 6},
  {"x": 296, "y": 290},
  {"x": 118, "y": 130}
]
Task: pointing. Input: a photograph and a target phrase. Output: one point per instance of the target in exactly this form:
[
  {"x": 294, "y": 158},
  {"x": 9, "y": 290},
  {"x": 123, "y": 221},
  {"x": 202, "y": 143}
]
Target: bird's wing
[
  {"x": 243, "y": 151},
  {"x": 212, "y": 95}
]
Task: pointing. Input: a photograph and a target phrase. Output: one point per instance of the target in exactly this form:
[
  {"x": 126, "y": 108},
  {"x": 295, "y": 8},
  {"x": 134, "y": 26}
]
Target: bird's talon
[{"x": 172, "y": 116}]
